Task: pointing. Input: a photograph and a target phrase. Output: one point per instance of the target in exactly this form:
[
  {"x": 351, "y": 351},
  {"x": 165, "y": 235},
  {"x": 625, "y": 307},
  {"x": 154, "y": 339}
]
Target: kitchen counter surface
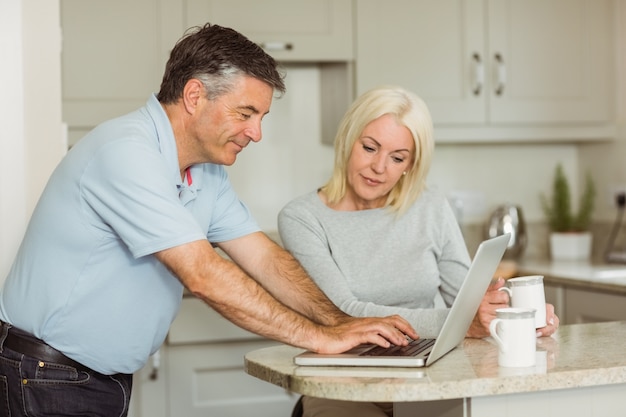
[
  {"x": 580, "y": 355},
  {"x": 601, "y": 277}
]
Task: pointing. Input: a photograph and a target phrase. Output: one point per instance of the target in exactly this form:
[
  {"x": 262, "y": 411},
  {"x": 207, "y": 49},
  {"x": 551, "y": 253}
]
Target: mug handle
[
  {"x": 494, "y": 333},
  {"x": 507, "y": 289}
]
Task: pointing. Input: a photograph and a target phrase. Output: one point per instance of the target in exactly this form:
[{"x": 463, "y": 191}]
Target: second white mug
[
  {"x": 528, "y": 292},
  {"x": 514, "y": 331}
]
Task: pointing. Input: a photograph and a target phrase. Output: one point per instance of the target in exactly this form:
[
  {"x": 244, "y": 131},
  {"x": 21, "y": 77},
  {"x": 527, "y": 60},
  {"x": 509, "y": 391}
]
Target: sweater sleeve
[{"x": 454, "y": 259}]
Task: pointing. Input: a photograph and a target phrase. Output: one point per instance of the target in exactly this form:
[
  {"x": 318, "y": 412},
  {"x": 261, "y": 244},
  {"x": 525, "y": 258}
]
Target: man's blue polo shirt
[{"x": 85, "y": 280}]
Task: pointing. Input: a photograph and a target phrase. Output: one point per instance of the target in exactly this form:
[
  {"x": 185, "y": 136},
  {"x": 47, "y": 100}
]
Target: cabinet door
[
  {"x": 433, "y": 48},
  {"x": 495, "y": 70},
  {"x": 149, "y": 396},
  {"x": 584, "y": 306},
  {"x": 550, "y": 60},
  {"x": 209, "y": 380},
  {"x": 114, "y": 54},
  {"x": 314, "y": 30}
]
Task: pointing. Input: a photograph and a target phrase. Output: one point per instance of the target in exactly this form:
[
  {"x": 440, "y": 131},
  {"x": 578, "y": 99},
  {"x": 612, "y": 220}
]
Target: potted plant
[{"x": 570, "y": 238}]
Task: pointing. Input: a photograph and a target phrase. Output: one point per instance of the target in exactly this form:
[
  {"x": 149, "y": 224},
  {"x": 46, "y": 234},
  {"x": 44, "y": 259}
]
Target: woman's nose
[{"x": 378, "y": 164}]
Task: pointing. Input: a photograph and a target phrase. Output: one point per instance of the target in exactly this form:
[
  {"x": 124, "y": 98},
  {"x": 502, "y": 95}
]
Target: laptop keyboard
[{"x": 414, "y": 348}]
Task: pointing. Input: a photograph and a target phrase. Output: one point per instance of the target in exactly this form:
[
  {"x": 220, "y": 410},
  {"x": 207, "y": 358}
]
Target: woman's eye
[
  {"x": 397, "y": 160},
  {"x": 368, "y": 148}
]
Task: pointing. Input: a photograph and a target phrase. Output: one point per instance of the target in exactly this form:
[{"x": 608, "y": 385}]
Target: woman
[{"x": 375, "y": 238}]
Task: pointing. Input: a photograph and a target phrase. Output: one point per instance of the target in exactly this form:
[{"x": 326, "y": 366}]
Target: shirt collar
[{"x": 167, "y": 146}]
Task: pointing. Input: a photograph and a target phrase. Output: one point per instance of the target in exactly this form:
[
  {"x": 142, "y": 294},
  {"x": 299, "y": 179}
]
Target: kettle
[{"x": 508, "y": 218}]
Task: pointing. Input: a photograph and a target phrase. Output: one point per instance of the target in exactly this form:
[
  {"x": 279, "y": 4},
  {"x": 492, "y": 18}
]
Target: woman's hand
[
  {"x": 552, "y": 320},
  {"x": 492, "y": 300}
]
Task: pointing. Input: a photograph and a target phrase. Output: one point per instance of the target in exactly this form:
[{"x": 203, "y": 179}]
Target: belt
[{"x": 38, "y": 349}]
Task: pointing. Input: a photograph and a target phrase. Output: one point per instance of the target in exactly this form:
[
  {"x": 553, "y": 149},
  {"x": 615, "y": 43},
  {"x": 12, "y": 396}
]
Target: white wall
[
  {"x": 608, "y": 161},
  {"x": 12, "y": 193},
  {"x": 32, "y": 139},
  {"x": 290, "y": 160},
  {"x": 495, "y": 174}
]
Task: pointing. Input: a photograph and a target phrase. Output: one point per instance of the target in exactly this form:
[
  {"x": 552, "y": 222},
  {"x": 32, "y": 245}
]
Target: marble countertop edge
[{"x": 578, "y": 356}]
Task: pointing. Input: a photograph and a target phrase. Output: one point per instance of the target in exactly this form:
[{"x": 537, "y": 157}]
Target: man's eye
[{"x": 245, "y": 116}]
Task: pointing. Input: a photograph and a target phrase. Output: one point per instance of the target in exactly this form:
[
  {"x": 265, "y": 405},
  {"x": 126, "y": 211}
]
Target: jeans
[{"x": 31, "y": 388}]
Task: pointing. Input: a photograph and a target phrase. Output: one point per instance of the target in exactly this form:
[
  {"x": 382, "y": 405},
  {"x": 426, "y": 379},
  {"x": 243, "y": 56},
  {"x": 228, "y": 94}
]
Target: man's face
[{"x": 221, "y": 128}]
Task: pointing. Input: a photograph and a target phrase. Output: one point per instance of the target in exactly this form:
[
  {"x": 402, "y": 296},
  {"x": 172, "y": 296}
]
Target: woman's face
[{"x": 380, "y": 156}]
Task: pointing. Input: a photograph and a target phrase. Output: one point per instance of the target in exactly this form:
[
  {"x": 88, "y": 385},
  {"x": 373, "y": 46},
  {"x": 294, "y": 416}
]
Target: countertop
[
  {"x": 579, "y": 355},
  {"x": 601, "y": 277}
]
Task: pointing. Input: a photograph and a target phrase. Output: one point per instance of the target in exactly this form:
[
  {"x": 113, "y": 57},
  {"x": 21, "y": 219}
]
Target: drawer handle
[
  {"x": 156, "y": 364},
  {"x": 501, "y": 71},
  {"x": 276, "y": 46},
  {"x": 479, "y": 74}
]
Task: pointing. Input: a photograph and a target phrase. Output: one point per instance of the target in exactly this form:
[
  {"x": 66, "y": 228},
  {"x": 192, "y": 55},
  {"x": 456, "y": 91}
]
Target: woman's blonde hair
[{"x": 408, "y": 110}]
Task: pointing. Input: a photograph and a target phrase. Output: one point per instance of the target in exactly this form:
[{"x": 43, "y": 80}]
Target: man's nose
[{"x": 254, "y": 131}]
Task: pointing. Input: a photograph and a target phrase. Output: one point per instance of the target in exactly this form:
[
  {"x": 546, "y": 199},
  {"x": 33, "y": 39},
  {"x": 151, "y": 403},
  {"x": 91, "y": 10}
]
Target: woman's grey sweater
[{"x": 374, "y": 263}]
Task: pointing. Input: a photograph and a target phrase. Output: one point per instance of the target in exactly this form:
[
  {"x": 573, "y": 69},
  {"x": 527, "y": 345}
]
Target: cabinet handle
[
  {"x": 501, "y": 70},
  {"x": 276, "y": 46},
  {"x": 156, "y": 364},
  {"x": 479, "y": 74}
]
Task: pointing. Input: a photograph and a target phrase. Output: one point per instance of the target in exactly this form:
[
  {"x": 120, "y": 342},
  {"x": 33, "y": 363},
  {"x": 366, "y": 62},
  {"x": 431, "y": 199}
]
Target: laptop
[{"x": 458, "y": 321}]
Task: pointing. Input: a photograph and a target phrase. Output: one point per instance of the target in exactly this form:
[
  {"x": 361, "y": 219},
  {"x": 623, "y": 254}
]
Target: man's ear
[{"x": 193, "y": 91}]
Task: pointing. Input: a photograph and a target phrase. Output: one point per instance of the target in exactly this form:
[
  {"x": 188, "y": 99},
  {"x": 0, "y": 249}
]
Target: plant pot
[{"x": 570, "y": 246}]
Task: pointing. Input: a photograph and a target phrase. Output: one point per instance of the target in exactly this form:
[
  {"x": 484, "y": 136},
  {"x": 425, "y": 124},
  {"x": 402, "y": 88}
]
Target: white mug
[
  {"x": 513, "y": 329},
  {"x": 528, "y": 292},
  {"x": 540, "y": 367}
]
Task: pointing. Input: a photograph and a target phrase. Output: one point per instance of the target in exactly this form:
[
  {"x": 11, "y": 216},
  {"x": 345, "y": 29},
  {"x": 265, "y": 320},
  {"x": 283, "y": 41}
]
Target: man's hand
[{"x": 354, "y": 331}]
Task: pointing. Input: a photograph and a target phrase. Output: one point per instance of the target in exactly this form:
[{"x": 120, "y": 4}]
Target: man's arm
[
  {"x": 281, "y": 275},
  {"x": 240, "y": 299}
]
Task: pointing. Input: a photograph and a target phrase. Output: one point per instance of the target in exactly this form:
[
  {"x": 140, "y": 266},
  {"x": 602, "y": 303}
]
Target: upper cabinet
[
  {"x": 113, "y": 57},
  {"x": 492, "y": 70},
  {"x": 114, "y": 52},
  {"x": 489, "y": 70},
  {"x": 291, "y": 31}
]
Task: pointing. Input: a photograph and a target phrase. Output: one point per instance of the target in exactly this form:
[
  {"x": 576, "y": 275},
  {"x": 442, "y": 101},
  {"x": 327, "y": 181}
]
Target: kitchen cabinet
[
  {"x": 114, "y": 54},
  {"x": 199, "y": 371},
  {"x": 149, "y": 397},
  {"x": 302, "y": 31},
  {"x": 495, "y": 69},
  {"x": 209, "y": 380},
  {"x": 318, "y": 32},
  {"x": 584, "y": 306},
  {"x": 576, "y": 304},
  {"x": 205, "y": 368}
]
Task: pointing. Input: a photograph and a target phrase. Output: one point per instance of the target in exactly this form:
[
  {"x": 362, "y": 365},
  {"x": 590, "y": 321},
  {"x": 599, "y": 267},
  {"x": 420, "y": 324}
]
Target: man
[{"x": 131, "y": 216}]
